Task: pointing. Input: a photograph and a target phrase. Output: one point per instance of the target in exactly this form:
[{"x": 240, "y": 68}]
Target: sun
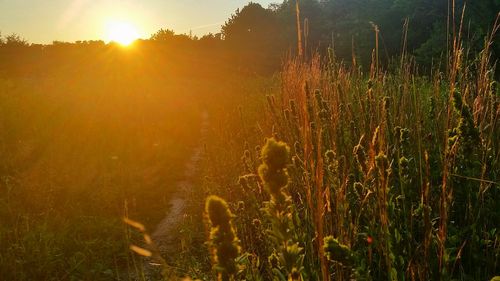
[{"x": 121, "y": 32}]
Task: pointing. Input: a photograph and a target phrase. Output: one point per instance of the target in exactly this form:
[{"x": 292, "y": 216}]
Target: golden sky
[{"x": 43, "y": 21}]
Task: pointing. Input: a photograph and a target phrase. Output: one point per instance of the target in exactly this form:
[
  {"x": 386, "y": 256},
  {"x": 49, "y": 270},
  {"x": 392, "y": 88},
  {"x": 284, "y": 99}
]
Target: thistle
[
  {"x": 273, "y": 169},
  {"x": 223, "y": 239},
  {"x": 280, "y": 211},
  {"x": 336, "y": 251},
  {"x": 466, "y": 129}
]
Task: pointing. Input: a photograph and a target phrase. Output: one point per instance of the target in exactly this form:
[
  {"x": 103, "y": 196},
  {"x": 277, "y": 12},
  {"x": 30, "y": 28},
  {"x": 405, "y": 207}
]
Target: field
[
  {"x": 75, "y": 159},
  {"x": 345, "y": 175},
  {"x": 238, "y": 157}
]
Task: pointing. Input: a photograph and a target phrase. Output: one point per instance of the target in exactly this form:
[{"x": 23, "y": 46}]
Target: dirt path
[{"x": 166, "y": 234}]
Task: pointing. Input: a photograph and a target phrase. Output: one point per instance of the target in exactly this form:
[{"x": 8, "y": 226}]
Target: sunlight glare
[{"x": 123, "y": 33}]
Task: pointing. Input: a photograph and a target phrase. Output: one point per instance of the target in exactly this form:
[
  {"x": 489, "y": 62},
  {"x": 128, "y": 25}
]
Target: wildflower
[
  {"x": 291, "y": 258},
  {"x": 256, "y": 222},
  {"x": 225, "y": 244},
  {"x": 405, "y": 167},
  {"x": 295, "y": 275},
  {"x": 330, "y": 155},
  {"x": 257, "y": 148},
  {"x": 369, "y": 240},
  {"x": 288, "y": 256},
  {"x": 336, "y": 251},
  {"x": 273, "y": 260},
  {"x": 403, "y": 137},
  {"x": 241, "y": 206},
  {"x": 273, "y": 169}
]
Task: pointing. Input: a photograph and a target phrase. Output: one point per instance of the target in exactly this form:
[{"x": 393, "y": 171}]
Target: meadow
[
  {"x": 75, "y": 159},
  {"x": 340, "y": 174},
  {"x": 290, "y": 161},
  {"x": 85, "y": 143}
]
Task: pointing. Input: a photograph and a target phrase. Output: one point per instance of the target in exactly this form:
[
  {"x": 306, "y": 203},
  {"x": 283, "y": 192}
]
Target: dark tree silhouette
[
  {"x": 255, "y": 34},
  {"x": 14, "y": 40},
  {"x": 163, "y": 35},
  {"x": 255, "y": 38}
]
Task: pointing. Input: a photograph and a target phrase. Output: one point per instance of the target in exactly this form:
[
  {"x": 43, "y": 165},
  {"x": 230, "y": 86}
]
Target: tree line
[{"x": 256, "y": 39}]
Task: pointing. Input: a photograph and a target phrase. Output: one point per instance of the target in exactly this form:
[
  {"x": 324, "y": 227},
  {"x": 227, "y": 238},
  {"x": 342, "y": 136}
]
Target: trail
[{"x": 166, "y": 235}]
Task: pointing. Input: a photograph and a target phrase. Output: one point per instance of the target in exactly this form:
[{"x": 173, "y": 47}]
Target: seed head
[
  {"x": 275, "y": 154},
  {"x": 224, "y": 243},
  {"x": 336, "y": 251},
  {"x": 218, "y": 211},
  {"x": 330, "y": 155}
]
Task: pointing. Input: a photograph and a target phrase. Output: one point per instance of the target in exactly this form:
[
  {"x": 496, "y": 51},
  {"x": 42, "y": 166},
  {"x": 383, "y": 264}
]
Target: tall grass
[
  {"x": 392, "y": 175},
  {"x": 73, "y": 150}
]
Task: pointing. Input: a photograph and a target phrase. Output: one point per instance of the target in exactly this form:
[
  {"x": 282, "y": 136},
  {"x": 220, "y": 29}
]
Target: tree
[
  {"x": 255, "y": 34},
  {"x": 14, "y": 40},
  {"x": 163, "y": 35},
  {"x": 252, "y": 25}
]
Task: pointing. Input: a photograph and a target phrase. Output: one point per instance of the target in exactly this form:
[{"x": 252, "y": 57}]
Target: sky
[{"x": 44, "y": 21}]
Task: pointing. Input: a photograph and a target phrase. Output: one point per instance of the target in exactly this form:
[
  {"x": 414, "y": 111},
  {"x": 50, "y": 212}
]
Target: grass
[
  {"x": 78, "y": 156},
  {"x": 80, "y": 153},
  {"x": 390, "y": 175},
  {"x": 326, "y": 173}
]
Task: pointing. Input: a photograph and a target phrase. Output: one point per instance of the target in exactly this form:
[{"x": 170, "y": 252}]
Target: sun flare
[{"x": 123, "y": 33}]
